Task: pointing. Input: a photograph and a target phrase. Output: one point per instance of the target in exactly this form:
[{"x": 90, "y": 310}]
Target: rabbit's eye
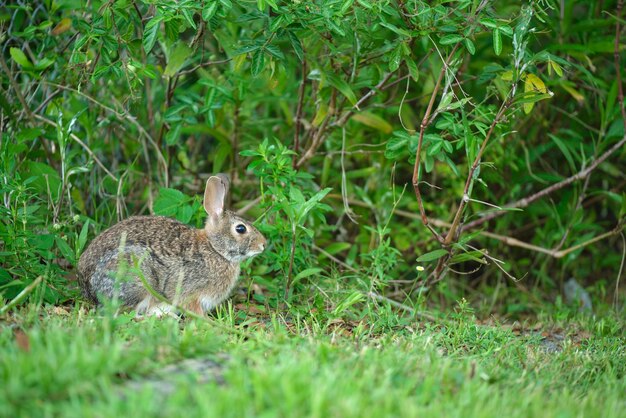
[{"x": 241, "y": 229}]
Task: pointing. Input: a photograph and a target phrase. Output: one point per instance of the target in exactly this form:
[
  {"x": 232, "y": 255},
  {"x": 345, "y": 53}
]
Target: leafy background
[{"x": 316, "y": 110}]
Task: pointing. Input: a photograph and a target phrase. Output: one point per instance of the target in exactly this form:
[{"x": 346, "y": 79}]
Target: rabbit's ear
[{"x": 214, "y": 197}]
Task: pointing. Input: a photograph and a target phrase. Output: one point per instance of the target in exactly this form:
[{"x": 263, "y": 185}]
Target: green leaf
[
  {"x": 497, "y": 41},
  {"x": 306, "y": 273},
  {"x": 351, "y": 299},
  {"x": 275, "y": 51},
  {"x": 429, "y": 163},
  {"x": 395, "y": 147},
  {"x": 373, "y": 121},
  {"x": 395, "y": 58},
  {"x": 224, "y": 150},
  {"x": 412, "y": 67},
  {"x": 488, "y": 22},
  {"x": 188, "y": 15},
  {"x": 337, "y": 247},
  {"x": 176, "y": 59},
  {"x": 346, "y": 6},
  {"x": 150, "y": 34},
  {"x": 168, "y": 201},
  {"x": 342, "y": 86},
  {"x": 469, "y": 45},
  {"x": 82, "y": 238},
  {"x": 556, "y": 67},
  {"x": 258, "y": 62},
  {"x": 65, "y": 249},
  {"x": 209, "y": 10},
  {"x": 296, "y": 45},
  {"x": 21, "y": 58},
  {"x": 433, "y": 255},
  {"x": 173, "y": 134},
  {"x": 396, "y": 29},
  {"x": 450, "y": 39},
  {"x": 476, "y": 256},
  {"x": 184, "y": 213},
  {"x": 245, "y": 49}
]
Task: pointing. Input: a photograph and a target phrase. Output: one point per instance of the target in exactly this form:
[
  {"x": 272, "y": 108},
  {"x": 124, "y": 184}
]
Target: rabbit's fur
[{"x": 193, "y": 268}]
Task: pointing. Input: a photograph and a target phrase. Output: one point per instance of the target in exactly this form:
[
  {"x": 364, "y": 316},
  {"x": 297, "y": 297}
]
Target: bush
[{"x": 506, "y": 107}]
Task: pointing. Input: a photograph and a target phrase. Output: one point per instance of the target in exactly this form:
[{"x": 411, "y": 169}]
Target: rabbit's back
[{"x": 150, "y": 232}]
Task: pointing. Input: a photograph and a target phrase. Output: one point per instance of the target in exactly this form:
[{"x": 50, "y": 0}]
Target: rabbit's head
[{"x": 233, "y": 237}]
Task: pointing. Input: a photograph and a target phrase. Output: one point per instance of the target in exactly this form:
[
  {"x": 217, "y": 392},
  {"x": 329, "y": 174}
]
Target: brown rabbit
[{"x": 193, "y": 268}]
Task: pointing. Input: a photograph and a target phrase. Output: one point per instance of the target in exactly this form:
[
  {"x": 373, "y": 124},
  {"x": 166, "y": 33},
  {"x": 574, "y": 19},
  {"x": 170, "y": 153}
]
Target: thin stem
[
  {"x": 423, "y": 125},
  {"x": 20, "y": 297},
  {"x": 292, "y": 256},
  {"x": 82, "y": 144},
  {"x": 457, "y": 217},
  {"x": 298, "y": 127}
]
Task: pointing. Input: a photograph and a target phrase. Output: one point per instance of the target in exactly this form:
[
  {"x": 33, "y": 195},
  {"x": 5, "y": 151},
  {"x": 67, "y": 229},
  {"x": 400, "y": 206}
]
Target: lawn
[
  {"x": 438, "y": 184},
  {"x": 74, "y": 362}
]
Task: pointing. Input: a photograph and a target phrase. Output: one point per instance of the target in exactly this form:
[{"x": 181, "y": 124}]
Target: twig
[
  {"x": 346, "y": 115},
  {"x": 298, "y": 127},
  {"x": 344, "y": 183},
  {"x": 203, "y": 64},
  {"x": 522, "y": 203},
  {"x": 616, "y": 58},
  {"x": 292, "y": 256},
  {"x": 619, "y": 273},
  {"x": 335, "y": 259}
]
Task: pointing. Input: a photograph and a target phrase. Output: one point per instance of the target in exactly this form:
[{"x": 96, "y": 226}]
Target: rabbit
[{"x": 193, "y": 268}]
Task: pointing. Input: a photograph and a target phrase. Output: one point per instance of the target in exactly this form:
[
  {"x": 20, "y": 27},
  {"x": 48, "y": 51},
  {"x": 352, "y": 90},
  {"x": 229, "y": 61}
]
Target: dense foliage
[{"x": 318, "y": 111}]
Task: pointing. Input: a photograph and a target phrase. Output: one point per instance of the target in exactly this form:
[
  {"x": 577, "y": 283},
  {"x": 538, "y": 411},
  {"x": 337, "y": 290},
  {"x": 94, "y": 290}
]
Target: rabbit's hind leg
[
  {"x": 151, "y": 306},
  {"x": 113, "y": 280}
]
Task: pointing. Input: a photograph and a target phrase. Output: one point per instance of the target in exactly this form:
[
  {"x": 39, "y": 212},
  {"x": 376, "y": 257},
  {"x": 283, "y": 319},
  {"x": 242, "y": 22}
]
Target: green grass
[{"x": 79, "y": 364}]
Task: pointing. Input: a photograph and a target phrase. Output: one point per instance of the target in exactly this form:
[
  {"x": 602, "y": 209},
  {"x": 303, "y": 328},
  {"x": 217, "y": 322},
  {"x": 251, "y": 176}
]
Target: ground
[{"x": 74, "y": 361}]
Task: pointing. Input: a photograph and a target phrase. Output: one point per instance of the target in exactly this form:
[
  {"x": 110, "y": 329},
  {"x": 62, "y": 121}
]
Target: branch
[
  {"x": 203, "y": 64},
  {"x": 522, "y": 203},
  {"x": 510, "y": 241}
]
